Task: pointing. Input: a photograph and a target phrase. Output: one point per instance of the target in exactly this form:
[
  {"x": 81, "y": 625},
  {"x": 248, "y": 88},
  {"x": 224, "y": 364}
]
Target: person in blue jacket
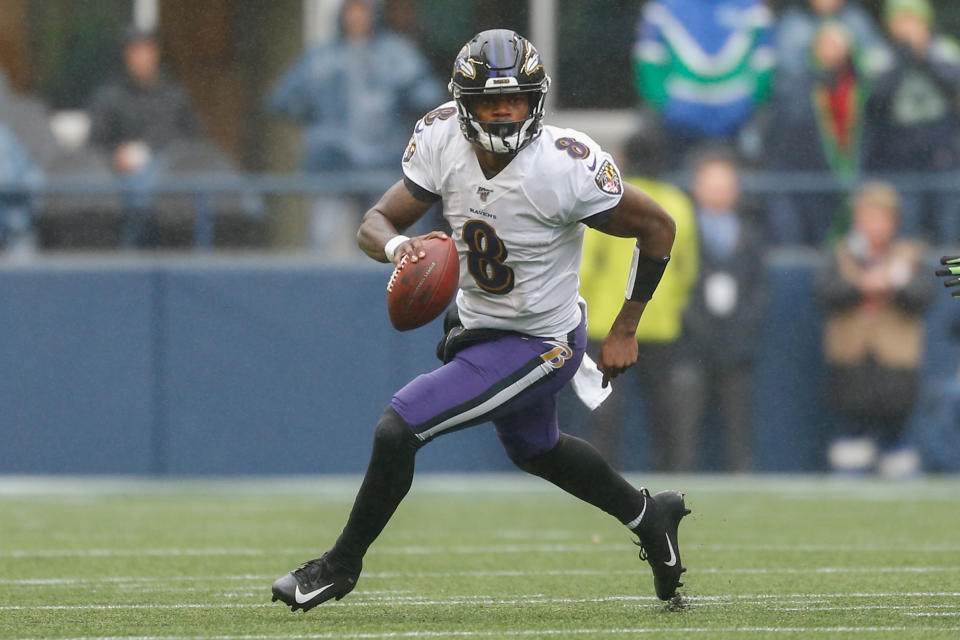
[
  {"x": 17, "y": 168},
  {"x": 357, "y": 97}
]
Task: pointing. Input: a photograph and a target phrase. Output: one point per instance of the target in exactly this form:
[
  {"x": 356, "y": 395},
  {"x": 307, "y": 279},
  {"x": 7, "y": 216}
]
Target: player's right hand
[
  {"x": 413, "y": 248},
  {"x": 617, "y": 354},
  {"x": 951, "y": 268}
]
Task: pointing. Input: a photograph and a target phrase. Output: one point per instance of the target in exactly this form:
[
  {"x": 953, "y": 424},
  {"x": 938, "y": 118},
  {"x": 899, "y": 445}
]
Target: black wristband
[{"x": 645, "y": 274}]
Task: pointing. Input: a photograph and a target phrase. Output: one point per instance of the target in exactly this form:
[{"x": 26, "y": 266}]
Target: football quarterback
[{"x": 517, "y": 194}]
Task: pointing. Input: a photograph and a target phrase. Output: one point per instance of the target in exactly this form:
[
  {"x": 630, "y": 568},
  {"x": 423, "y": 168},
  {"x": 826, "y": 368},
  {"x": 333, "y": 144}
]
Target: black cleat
[
  {"x": 315, "y": 582},
  {"x": 658, "y": 540}
]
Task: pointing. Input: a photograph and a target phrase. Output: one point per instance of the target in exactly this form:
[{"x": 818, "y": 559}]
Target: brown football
[{"x": 420, "y": 291}]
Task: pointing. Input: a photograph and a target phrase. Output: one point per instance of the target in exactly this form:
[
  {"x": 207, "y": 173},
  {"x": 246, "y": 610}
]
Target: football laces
[{"x": 396, "y": 274}]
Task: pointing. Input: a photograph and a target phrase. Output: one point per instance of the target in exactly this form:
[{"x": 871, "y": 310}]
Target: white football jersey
[{"x": 518, "y": 234}]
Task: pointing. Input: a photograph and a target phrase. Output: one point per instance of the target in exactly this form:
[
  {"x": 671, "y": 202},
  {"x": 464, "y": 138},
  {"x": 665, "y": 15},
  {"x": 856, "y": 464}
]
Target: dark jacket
[
  {"x": 800, "y": 138},
  {"x": 729, "y": 339},
  {"x": 912, "y": 121},
  {"x": 157, "y": 115}
]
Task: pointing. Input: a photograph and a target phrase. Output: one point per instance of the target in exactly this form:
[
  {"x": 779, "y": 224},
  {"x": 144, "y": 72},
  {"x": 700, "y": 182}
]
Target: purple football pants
[{"x": 512, "y": 381}]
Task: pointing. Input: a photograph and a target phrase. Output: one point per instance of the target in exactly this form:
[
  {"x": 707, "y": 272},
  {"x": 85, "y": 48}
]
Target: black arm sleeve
[
  {"x": 419, "y": 192},
  {"x": 597, "y": 219}
]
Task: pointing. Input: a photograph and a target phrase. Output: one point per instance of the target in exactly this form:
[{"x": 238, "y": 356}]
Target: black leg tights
[
  {"x": 573, "y": 465},
  {"x": 388, "y": 478},
  {"x": 577, "y": 467}
]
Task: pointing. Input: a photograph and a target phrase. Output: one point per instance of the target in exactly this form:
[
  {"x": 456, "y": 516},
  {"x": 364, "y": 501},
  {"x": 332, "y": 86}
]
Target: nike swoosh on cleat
[
  {"x": 673, "y": 556},
  {"x": 636, "y": 521},
  {"x": 306, "y": 597}
]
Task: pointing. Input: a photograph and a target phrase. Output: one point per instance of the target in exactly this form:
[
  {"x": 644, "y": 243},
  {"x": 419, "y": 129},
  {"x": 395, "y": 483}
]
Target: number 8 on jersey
[{"x": 485, "y": 258}]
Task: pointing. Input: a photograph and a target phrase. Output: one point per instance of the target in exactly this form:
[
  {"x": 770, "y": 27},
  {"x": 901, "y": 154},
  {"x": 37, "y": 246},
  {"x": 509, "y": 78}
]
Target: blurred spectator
[
  {"x": 816, "y": 127},
  {"x": 136, "y": 117},
  {"x": 29, "y": 120},
  {"x": 134, "y": 120},
  {"x": 718, "y": 348},
  {"x": 17, "y": 168},
  {"x": 798, "y": 24},
  {"x": 705, "y": 66},
  {"x": 937, "y": 431},
  {"x": 358, "y": 97},
  {"x": 606, "y": 261},
  {"x": 875, "y": 290},
  {"x": 4, "y": 86},
  {"x": 913, "y": 124}
]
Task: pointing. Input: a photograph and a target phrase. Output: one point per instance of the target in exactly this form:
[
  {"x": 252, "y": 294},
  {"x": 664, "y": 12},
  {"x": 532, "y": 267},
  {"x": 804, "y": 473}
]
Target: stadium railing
[
  {"x": 204, "y": 189},
  {"x": 252, "y": 188}
]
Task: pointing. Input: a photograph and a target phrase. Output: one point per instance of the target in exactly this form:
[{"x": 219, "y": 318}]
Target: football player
[
  {"x": 951, "y": 268},
  {"x": 517, "y": 194}
]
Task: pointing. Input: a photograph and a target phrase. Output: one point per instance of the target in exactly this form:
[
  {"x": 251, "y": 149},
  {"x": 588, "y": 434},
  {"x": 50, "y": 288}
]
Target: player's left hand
[
  {"x": 617, "y": 354},
  {"x": 952, "y": 268}
]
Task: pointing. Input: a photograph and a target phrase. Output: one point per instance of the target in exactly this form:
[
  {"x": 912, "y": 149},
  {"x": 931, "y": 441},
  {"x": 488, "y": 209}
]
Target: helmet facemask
[{"x": 502, "y": 136}]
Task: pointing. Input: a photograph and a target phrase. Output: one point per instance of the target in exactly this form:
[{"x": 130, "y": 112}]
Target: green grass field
[{"x": 478, "y": 557}]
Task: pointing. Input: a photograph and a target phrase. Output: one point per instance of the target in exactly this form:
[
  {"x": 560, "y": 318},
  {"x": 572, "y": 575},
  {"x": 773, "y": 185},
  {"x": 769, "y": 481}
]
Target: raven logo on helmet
[
  {"x": 499, "y": 61},
  {"x": 532, "y": 63},
  {"x": 463, "y": 65}
]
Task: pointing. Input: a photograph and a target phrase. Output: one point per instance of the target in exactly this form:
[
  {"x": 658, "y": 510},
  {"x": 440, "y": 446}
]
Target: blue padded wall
[
  {"x": 76, "y": 361},
  {"x": 239, "y": 366}
]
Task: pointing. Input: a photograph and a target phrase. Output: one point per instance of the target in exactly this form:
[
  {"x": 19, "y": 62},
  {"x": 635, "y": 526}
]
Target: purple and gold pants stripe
[{"x": 512, "y": 382}]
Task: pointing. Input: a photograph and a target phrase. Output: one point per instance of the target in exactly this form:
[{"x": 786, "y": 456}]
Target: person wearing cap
[
  {"x": 817, "y": 127},
  {"x": 912, "y": 122},
  {"x": 136, "y": 116},
  {"x": 798, "y": 25}
]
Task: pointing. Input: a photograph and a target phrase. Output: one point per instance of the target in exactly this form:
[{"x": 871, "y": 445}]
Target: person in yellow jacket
[{"x": 606, "y": 262}]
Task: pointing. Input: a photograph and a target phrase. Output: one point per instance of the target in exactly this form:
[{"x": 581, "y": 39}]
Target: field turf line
[{"x": 501, "y": 556}]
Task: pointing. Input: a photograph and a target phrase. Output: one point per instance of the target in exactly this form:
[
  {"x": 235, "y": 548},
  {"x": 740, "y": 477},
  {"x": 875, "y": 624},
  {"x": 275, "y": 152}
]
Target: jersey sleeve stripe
[
  {"x": 597, "y": 219},
  {"x": 419, "y": 192}
]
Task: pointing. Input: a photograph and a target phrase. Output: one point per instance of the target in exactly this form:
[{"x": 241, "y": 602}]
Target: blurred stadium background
[{"x": 239, "y": 350}]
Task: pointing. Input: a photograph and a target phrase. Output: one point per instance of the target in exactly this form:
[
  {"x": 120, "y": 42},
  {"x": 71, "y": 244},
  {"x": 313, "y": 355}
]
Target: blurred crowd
[
  {"x": 848, "y": 111},
  {"x": 846, "y": 121}
]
